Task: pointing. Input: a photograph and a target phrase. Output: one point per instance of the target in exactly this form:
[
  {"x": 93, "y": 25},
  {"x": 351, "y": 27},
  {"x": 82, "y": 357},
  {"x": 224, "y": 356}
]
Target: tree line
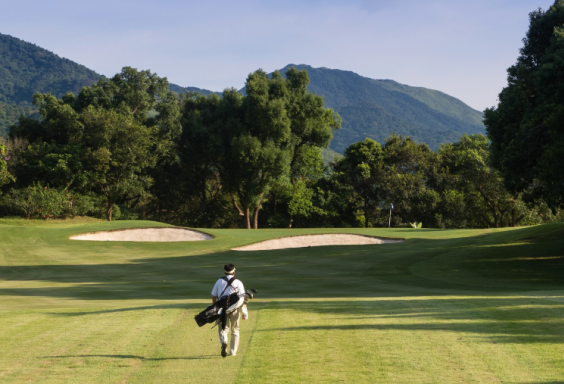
[{"x": 127, "y": 147}]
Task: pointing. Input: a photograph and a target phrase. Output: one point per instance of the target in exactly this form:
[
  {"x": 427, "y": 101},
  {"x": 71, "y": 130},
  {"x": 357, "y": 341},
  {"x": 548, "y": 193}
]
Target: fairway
[{"x": 444, "y": 306}]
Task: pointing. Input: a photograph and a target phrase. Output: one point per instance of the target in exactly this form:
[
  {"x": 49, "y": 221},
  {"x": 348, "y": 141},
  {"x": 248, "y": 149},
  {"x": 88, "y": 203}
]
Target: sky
[{"x": 462, "y": 48}]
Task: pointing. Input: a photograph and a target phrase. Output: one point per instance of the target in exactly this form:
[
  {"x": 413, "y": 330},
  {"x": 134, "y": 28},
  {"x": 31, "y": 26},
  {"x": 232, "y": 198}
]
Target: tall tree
[
  {"x": 282, "y": 122},
  {"x": 259, "y": 151},
  {"x": 117, "y": 151},
  {"x": 129, "y": 92},
  {"x": 103, "y": 139},
  {"x": 362, "y": 169},
  {"x": 206, "y": 126},
  {"x": 405, "y": 182},
  {"x": 487, "y": 202},
  {"x": 526, "y": 128},
  {"x": 312, "y": 126}
]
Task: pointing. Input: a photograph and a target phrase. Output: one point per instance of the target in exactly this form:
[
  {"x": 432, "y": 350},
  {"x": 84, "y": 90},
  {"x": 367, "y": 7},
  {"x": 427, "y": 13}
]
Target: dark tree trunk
[
  {"x": 255, "y": 217},
  {"x": 274, "y": 194},
  {"x": 247, "y": 218},
  {"x": 365, "y": 213},
  {"x": 109, "y": 210},
  {"x": 244, "y": 213}
]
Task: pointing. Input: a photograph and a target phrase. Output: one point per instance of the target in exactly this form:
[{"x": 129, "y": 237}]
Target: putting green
[{"x": 445, "y": 306}]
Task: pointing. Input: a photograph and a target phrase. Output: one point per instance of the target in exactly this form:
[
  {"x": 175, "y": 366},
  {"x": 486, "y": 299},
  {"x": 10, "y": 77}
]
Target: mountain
[
  {"x": 179, "y": 89},
  {"x": 369, "y": 108},
  {"x": 377, "y": 108},
  {"x": 26, "y": 69}
]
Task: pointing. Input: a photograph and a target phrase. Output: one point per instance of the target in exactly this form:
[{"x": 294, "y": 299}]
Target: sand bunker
[
  {"x": 145, "y": 234},
  {"x": 314, "y": 241}
]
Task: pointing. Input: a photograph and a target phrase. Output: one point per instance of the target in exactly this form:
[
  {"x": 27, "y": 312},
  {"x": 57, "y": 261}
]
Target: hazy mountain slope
[
  {"x": 369, "y": 120},
  {"x": 10, "y": 113},
  {"x": 179, "y": 89},
  {"x": 376, "y": 108},
  {"x": 438, "y": 101},
  {"x": 370, "y": 108},
  {"x": 26, "y": 69}
]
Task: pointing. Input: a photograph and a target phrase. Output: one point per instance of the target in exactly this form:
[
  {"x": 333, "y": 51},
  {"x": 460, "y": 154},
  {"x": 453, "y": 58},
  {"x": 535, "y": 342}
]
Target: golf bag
[{"x": 217, "y": 310}]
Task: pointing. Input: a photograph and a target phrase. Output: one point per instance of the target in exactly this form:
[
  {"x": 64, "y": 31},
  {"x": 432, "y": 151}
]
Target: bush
[
  {"x": 45, "y": 202},
  {"x": 25, "y": 201},
  {"x": 38, "y": 200}
]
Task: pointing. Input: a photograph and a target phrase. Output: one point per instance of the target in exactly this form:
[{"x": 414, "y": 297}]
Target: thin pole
[{"x": 390, "y": 221}]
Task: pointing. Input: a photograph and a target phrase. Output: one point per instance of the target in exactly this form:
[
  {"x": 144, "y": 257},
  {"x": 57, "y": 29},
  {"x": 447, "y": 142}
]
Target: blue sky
[{"x": 462, "y": 48}]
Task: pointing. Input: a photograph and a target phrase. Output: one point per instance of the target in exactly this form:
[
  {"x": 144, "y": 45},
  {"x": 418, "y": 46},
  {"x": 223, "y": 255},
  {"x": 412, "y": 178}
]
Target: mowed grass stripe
[
  {"x": 95, "y": 348},
  {"x": 419, "y": 340}
]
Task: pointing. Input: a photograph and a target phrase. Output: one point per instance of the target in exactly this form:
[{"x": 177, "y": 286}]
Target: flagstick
[{"x": 390, "y": 222}]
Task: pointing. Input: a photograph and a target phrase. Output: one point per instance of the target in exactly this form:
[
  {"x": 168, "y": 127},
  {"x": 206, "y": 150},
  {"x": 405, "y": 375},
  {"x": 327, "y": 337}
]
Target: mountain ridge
[
  {"x": 426, "y": 115},
  {"x": 26, "y": 69},
  {"x": 369, "y": 107}
]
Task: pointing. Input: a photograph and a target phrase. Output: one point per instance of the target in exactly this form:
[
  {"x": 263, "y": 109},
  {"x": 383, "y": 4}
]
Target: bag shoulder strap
[{"x": 229, "y": 282}]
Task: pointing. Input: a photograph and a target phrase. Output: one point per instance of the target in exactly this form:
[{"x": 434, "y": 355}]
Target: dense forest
[
  {"x": 28, "y": 69},
  {"x": 10, "y": 113},
  {"x": 127, "y": 147},
  {"x": 527, "y": 127}
]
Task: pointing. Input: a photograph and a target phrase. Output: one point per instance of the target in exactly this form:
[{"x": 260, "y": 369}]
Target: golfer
[{"x": 225, "y": 287}]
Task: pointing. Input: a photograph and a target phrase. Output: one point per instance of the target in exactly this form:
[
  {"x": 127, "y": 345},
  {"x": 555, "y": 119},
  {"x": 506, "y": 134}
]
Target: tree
[
  {"x": 200, "y": 149},
  {"x": 129, "y": 92},
  {"x": 405, "y": 182},
  {"x": 311, "y": 126},
  {"x": 117, "y": 151},
  {"x": 5, "y": 176},
  {"x": 104, "y": 139},
  {"x": 279, "y": 120},
  {"x": 487, "y": 202},
  {"x": 526, "y": 127},
  {"x": 258, "y": 152},
  {"x": 362, "y": 169}
]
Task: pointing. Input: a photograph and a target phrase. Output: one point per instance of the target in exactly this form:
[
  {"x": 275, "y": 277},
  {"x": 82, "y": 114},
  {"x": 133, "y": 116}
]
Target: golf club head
[{"x": 251, "y": 292}]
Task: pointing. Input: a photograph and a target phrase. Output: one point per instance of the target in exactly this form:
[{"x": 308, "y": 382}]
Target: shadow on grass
[
  {"x": 203, "y": 357},
  {"x": 501, "y": 320},
  {"x": 524, "y": 259},
  {"x": 195, "y": 307},
  {"x": 497, "y": 320}
]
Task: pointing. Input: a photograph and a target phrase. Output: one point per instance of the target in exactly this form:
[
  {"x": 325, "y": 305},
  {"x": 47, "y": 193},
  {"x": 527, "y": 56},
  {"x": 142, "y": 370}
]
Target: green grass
[{"x": 445, "y": 306}]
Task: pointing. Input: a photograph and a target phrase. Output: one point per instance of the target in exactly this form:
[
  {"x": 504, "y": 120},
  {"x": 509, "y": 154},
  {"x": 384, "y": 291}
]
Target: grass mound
[{"x": 445, "y": 306}]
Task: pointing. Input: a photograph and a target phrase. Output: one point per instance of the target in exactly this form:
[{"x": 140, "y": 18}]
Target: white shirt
[{"x": 220, "y": 285}]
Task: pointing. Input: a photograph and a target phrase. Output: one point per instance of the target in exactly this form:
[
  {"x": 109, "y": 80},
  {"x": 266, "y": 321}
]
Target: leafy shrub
[
  {"x": 39, "y": 200},
  {"x": 45, "y": 202},
  {"x": 25, "y": 200}
]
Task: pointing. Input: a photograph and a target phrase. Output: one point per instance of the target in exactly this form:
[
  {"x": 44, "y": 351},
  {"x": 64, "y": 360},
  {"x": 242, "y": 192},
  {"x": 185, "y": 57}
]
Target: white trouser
[{"x": 232, "y": 322}]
